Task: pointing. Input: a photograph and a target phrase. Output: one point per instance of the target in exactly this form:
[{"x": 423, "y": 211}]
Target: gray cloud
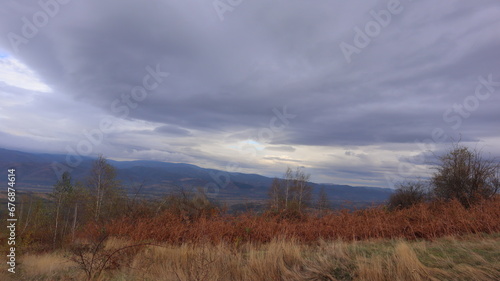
[
  {"x": 172, "y": 130},
  {"x": 227, "y": 76},
  {"x": 281, "y": 159},
  {"x": 281, "y": 148}
]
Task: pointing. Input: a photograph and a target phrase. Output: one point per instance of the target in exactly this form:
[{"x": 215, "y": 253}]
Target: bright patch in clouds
[{"x": 15, "y": 73}]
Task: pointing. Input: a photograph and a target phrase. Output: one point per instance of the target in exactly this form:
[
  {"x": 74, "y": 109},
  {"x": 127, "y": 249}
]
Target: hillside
[{"x": 150, "y": 178}]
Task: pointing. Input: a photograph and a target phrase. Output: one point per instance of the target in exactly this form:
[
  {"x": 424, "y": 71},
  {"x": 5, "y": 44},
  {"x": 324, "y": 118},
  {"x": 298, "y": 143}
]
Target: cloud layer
[{"x": 234, "y": 84}]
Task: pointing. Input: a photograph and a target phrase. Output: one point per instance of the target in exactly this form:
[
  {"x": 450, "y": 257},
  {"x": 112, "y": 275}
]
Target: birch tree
[
  {"x": 62, "y": 192},
  {"x": 102, "y": 185},
  {"x": 290, "y": 192}
]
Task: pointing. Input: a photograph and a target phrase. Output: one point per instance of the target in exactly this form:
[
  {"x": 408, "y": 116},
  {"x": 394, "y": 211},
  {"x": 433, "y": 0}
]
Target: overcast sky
[{"x": 345, "y": 89}]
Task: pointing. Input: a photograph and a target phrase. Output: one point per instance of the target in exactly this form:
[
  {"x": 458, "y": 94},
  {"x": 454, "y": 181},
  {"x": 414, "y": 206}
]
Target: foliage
[
  {"x": 426, "y": 220},
  {"x": 190, "y": 205},
  {"x": 464, "y": 174},
  {"x": 408, "y": 194}
]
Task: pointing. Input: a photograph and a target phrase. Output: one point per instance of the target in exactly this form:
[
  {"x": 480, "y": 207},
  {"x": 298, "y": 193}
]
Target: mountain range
[{"x": 35, "y": 172}]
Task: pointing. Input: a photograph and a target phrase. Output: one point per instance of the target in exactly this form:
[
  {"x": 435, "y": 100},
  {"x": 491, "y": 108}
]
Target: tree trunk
[
  {"x": 57, "y": 220},
  {"x": 74, "y": 223}
]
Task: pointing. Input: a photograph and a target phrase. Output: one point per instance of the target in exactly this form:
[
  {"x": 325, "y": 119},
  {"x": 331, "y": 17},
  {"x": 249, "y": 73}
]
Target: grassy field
[
  {"x": 430, "y": 241},
  {"x": 471, "y": 257}
]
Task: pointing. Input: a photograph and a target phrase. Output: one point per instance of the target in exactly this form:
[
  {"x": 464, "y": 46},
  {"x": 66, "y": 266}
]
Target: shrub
[
  {"x": 464, "y": 174},
  {"x": 408, "y": 194}
]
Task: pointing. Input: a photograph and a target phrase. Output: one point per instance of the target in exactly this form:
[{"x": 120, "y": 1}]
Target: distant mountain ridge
[{"x": 35, "y": 173}]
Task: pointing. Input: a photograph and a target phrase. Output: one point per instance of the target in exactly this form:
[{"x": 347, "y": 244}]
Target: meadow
[{"x": 428, "y": 241}]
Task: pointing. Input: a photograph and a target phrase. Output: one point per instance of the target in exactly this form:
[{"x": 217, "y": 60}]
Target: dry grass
[
  {"x": 437, "y": 241},
  {"x": 473, "y": 257},
  {"x": 47, "y": 266}
]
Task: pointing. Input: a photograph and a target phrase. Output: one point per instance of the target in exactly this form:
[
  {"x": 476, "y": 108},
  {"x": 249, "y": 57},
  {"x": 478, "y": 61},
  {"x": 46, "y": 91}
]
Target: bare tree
[
  {"x": 276, "y": 195},
  {"x": 103, "y": 185},
  {"x": 302, "y": 191},
  {"x": 464, "y": 174},
  {"x": 62, "y": 192},
  {"x": 408, "y": 194},
  {"x": 323, "y": 202},
  {"x": 287, "y": 183},
  {"x": 290, "y": 192},
  {"x": 26, "y": 219},
  {"x": 190, "y": 204}
]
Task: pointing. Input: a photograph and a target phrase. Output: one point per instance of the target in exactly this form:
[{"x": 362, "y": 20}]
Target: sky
[{"x": 354, "y": 92}]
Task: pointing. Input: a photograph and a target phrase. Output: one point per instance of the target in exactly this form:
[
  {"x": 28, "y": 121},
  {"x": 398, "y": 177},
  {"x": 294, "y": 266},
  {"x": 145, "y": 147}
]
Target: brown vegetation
[
  {"x": 426, "y": 220},
  {"x": 95, "y": 232}
]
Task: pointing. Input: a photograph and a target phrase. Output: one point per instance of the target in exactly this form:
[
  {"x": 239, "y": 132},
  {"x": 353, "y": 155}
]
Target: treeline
[
  {"x": 461, "y": 174},
  {"x": 100, "y": 205},
  {"x": 53, "y": 219}
]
